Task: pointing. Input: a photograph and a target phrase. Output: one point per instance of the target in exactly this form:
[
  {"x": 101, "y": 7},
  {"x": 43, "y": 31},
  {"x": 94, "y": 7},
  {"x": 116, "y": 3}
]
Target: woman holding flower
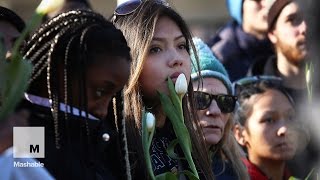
[{"x": 160, "y": 42}]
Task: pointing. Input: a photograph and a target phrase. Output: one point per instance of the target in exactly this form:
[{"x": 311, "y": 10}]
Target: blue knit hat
[
  {"x": 210, "y": 66},
  {"x": 235, "y": 9}
]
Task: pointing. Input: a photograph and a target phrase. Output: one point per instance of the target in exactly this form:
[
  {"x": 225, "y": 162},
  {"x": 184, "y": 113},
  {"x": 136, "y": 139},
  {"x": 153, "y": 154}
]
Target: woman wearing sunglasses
[
  {"x": 159, "y": 40},
  {"x": 267, "y": 129},
  {"x": 215, "y": 105}
]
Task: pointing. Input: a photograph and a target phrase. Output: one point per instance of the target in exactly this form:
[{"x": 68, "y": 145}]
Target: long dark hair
[{"x": 138, "y": 28}]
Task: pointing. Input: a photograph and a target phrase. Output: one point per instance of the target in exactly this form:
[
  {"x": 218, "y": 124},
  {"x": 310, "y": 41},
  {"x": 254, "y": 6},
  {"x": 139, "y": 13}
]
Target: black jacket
[
  {"x": 238, "y": 50},
  {"x": 83, "y": 153}
]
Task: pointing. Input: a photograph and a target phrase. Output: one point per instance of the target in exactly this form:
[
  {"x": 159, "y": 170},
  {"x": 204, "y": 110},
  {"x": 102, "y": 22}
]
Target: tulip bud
[
  {"x": 150, "y": 121},
  {"x": 181, "y": 85},
  {"x": 308, "y": 76},
  {"x": 48, "y": 6}
]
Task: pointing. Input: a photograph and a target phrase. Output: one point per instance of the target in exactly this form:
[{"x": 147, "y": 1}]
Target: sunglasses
[
  {"x": 226, "y": 103},
  {"x": 131, "y": 6},
  {"x": 247, "y": 82}
]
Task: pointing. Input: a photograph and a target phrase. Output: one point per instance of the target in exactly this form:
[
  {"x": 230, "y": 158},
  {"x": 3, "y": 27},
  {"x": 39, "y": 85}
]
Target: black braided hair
[
  {"x": 61, "y": 50},
  {"x": 12, "y": 18}
]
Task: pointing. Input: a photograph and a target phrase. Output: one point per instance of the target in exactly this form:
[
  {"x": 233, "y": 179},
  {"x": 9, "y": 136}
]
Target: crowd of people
[{"x": 94, "y": 77}]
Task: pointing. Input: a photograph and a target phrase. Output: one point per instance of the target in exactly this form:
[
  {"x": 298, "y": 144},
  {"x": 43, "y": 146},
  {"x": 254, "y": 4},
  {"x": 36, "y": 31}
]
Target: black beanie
[{"x": 275, "y": 11}]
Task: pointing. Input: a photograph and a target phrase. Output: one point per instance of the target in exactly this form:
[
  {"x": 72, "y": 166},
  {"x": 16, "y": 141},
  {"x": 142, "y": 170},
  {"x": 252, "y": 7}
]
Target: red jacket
[{"x": 256, "y": 174}]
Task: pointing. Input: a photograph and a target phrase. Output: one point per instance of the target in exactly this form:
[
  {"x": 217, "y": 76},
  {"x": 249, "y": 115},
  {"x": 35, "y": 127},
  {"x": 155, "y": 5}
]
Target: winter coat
[
  {"x": 83, "y": 153},
  {"x": 238, "y": 50}
]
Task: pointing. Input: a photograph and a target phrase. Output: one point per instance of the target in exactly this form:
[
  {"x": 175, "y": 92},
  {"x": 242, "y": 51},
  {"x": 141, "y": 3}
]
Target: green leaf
[
  {"x": 174, "y": 97},
  {"x": 166, "y": 176},
  {"x": 293, "y": 178},
  {"x": 310, "y": 173},
  {"x": 170, "y": 149},
  {"x": 15, "y": 75},
  {"x": 36, "y": 19},
  {"x": 168, "y": 107},
  {"x": 146, "y": 142},
  {"x": 180, "y": 130},
  {"x": 190, "y": 175}
]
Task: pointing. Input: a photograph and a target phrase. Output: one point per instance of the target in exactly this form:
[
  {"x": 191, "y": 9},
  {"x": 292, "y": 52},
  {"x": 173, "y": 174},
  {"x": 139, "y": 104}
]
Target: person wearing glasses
[
  {"x": 243, "y": 40},
  {"x": 215, "y": 105},
  {"x": 81, "y": 63},
  {"x": 268, "y": 128},
  {"x": 160, "y": 41}
]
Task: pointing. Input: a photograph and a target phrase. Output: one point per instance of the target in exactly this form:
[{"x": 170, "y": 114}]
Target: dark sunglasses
[
  {"x": 131, "y": 6},
  {"x": 226, "y": 103},
  {"x": 246, "y": 82}
]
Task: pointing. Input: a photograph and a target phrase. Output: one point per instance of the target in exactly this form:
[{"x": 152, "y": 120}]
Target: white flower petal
[
  {"x": 308, "y": 76},
  {"x": 48, "y": 6},
  {"x": 150, "y": 121},
  {"x": 181, "y": 85}
]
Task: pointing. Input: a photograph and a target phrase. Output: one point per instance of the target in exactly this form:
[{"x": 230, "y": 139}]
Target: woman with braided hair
[{"x": 81, "y": 63}]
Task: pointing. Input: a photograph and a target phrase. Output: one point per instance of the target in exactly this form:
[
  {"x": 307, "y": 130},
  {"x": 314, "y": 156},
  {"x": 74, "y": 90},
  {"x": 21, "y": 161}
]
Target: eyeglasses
[
  {"x": 131, "y": 6},
  {"x": 226, "y": 103},
  {"x": 246, "y": 82}
]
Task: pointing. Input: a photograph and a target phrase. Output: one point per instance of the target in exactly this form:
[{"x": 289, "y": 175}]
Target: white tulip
[
  {"x": 48, "y": 6},
  {"x": 308, "y": 76},
  {"x": 151, "y": 121},
  {"x": 181, "y": 85}
]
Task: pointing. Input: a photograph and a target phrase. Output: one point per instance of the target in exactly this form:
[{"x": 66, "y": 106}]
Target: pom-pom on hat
[{"x": 210, "y": 66}]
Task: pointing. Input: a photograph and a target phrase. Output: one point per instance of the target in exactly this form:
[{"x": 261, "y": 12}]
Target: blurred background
[{"x": 204, "y": 17}]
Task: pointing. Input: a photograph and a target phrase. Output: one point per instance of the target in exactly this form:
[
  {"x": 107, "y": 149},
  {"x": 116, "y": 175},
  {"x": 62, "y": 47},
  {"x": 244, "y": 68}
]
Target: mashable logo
[{"x": 28, "y": 142}]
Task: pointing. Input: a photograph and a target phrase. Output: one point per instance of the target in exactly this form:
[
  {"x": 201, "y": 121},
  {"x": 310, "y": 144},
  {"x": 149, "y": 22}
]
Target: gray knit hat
[{"x": 210, "y": 66}]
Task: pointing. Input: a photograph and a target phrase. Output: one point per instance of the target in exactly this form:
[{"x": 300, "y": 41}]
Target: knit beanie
[
  {"x": 210, "y": 66},
  {"x": 235, "y": 9},
  {"x": 274, "y": 12}
]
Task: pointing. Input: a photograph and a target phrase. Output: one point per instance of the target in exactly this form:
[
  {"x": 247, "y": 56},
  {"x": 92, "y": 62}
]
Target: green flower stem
[
  {"x": 15, "y": 73},
  {"x": 173, "y": 108},
  {"x": 146, "y": 141},
  {"x": 14, "y": 82},
  {"x": 35, "y": 21}
]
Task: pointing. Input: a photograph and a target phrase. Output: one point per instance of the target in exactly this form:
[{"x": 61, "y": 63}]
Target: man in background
[
  {"x": 244, "y": 39},
  {"x": 288, "y": 33}
]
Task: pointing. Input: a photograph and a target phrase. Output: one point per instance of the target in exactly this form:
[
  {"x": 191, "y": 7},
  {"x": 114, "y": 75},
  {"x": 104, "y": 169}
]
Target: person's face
[
  {"x": 289, "y": 34},
  {"x": 269, "y": 131},
  {"x": 9, "y": 34},
  {"x": 212, "y": 120},
  {"x": 104, "y": 80},
  {"x": 167, "y": 57},
  {"x": 255, "y": 16}
]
